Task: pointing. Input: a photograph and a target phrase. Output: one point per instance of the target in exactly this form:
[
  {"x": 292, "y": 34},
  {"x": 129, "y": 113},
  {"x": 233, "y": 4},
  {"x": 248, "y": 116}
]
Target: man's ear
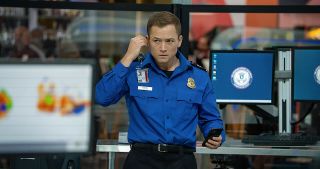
[
  {"x": 148, "y": 40},
  {"x": 180, "y": 40}
]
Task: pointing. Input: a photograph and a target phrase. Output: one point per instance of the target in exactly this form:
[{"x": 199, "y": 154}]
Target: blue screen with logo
[
  {"x": 242, "y": 76},
  {"x": 306, "y": 74}
]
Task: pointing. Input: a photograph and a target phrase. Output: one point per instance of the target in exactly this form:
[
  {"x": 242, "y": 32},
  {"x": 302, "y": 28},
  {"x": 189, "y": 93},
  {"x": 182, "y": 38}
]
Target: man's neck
[{"x": 171, "y": 65}]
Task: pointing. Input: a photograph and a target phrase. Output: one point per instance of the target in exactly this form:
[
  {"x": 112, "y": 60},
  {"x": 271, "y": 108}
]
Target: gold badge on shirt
[{"x": 191, "y": 84}]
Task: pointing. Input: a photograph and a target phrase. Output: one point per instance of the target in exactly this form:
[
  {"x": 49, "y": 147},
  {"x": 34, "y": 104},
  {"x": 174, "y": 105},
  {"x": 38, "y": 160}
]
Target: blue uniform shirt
[{"x": 162, "y": 110}]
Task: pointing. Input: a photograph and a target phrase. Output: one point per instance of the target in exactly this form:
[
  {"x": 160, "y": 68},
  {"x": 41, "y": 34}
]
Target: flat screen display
[
  {"x": 306, "y": 74},
  {"x": 242, "y": 76},
  {"x": 45, "y": 107}
]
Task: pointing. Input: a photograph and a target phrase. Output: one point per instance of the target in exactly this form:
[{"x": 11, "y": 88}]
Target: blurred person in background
[
  {"x": 202, "y": 52},
  {"x": 22, "y": 47},
  {"x": 36, "y": 42},
  {"x": 17, "y": 42}
]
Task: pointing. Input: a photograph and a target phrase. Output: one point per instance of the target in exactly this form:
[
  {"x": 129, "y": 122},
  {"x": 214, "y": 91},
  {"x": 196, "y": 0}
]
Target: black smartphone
[{"x": 212, "y": 133}]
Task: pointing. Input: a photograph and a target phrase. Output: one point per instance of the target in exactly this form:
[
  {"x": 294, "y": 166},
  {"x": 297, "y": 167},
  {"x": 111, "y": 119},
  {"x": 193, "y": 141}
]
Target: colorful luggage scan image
[
  {"x": 68, "y": 105},
  {"x": 5, "y": 103},
  {"x": 51, "y": 102},
  {"x": 47, "y": 99}
]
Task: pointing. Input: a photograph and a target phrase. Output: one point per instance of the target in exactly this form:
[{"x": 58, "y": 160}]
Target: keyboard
[{"x": 280, "y": 140}]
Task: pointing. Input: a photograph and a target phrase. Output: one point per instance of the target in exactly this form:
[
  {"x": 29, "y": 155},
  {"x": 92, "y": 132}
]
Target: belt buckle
[{"x": 161, "y": 150}]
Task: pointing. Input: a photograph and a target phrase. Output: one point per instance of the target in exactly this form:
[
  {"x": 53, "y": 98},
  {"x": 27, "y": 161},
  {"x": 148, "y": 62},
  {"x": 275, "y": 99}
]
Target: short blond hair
[{"x": 162, "y": 19}]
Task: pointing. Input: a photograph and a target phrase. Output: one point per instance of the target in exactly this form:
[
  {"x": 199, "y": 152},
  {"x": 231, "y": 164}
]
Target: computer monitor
[
  {"x": 306, "y": 74},
  {"x": 242, "y": 76},
  {"x": 46, "y": 107}
]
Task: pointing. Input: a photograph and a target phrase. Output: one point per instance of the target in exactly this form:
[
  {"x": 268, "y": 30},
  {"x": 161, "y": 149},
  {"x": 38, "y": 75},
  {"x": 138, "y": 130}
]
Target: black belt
[{"x": 162, "y": 148}]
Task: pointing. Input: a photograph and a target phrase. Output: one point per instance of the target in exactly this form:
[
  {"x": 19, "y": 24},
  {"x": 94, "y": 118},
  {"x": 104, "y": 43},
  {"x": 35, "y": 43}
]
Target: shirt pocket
[
  {"x": 145, "y": 102},
  {"x": 192, "y": 97},
  {"x": 187, "y": 104}
]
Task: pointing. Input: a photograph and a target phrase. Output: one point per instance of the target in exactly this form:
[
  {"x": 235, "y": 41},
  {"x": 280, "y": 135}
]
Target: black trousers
[{"x": 145, "y": 159}]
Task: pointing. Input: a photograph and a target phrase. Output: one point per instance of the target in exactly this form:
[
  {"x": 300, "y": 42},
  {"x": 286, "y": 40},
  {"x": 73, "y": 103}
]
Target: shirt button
[
  {"x": 167, "y": 100},
  {"x": 168, "y": 117}
]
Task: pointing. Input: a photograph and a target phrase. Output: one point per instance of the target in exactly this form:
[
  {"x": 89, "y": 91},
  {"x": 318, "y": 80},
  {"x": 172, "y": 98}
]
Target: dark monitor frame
[
  {"x": 246, "y": 51},
  {"x": 293, "y": 48},
  {"x": 92, "y": 63}
]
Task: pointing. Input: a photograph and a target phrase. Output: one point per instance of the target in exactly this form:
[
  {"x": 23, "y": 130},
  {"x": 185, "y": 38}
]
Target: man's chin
[{"x": 162, "y": 60}]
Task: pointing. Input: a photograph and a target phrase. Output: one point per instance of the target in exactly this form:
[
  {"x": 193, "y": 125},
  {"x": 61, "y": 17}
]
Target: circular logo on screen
[
  {"x": 241, "y": 78},
  {"x": 317, "y": 74}
]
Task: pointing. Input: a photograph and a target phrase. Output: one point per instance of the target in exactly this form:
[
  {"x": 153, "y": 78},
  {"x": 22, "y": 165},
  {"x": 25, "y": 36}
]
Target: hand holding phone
[{"x": 212, "y": 133}]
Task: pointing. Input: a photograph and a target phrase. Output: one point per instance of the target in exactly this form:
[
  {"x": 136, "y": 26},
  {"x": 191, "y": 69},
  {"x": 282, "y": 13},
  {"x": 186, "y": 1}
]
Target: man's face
[{"x": 164, "y": 43}]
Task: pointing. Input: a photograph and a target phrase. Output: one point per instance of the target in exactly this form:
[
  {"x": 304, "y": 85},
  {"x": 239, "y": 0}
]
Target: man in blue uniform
[{"x": 167, "y": 97}]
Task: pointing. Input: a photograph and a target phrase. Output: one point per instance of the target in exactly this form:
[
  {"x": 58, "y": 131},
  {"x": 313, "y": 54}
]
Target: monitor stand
[{"x": 284, "y": 76}]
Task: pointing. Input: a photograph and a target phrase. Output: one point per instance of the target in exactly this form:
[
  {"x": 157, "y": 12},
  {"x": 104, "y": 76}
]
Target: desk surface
[{"x": 232, "y": 147}]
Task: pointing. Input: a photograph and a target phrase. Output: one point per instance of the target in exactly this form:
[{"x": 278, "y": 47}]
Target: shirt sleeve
[
  {"x": 112, "y": 86},
  {"x": 209, "y": 116}
]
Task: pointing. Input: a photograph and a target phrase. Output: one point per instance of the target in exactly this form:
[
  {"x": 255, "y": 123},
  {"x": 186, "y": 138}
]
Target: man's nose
[{"x": 163, "y": 47}]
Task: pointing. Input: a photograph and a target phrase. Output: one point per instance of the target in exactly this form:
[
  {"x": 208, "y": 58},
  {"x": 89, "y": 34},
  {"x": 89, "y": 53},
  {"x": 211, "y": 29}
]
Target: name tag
[{"x": 147, "y": 88}]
